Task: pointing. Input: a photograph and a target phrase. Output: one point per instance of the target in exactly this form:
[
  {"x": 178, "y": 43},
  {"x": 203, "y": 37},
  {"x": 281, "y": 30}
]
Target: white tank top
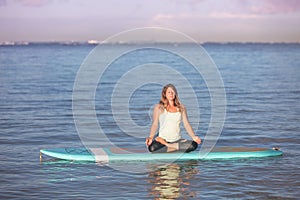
[{"x": 169, "y": 123}]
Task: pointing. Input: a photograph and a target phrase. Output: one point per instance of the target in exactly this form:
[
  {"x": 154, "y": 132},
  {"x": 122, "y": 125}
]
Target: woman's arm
[
  {"x": 154, "y": 127},
  {"x": 188, "y": 126}
]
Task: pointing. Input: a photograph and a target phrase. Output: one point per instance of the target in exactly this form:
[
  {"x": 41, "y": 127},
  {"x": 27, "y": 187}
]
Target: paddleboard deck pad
[{"x": 127, "y": 154}]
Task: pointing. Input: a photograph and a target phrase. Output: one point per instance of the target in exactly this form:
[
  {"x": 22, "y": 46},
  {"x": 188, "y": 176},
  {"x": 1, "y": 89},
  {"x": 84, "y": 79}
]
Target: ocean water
[{"x": 262, "y": 85}]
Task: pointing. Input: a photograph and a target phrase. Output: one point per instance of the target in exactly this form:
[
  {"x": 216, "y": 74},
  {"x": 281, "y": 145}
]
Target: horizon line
[{"x": 96, "y": 42}]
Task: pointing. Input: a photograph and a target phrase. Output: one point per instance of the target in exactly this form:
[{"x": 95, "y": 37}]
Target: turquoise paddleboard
[{"x": 127, "y": 154}]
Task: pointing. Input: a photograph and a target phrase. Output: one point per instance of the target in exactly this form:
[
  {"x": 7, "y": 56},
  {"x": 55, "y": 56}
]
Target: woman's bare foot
[{"x": 171, "y": 147}]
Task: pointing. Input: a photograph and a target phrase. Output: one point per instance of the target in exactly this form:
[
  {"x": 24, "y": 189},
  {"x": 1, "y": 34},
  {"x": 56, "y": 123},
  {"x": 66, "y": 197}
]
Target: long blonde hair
[{"x": 164, "y": 102}]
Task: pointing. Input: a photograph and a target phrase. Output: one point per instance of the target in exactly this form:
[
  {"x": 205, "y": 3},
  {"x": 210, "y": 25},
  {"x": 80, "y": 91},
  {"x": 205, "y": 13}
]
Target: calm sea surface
[{"x": 262, "y": 84}]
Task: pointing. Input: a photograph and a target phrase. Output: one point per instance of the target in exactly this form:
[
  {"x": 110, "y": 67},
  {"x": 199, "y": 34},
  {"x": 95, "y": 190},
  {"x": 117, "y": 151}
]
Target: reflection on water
[{"x": 171, "y": 181}]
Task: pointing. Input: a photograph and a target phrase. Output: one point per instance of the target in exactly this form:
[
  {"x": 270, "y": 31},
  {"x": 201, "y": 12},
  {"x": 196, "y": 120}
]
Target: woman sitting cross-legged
[{"x": 168, "y": 114}]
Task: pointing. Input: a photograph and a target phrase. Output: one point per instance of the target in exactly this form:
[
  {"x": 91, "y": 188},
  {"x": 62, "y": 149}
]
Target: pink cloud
[
  {"x": 228, "y": 15},
  {"x": 160, "y": 17},
  {"x": 266, "y": 7},
  {"x": 246, "y": 9},
  {"x": 252, "y": 7},
  {"x": 34, "y": 3}
]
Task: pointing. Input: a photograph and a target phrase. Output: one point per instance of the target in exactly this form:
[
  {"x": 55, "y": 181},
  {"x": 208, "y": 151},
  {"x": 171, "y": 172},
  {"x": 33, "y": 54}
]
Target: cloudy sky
[{"x": 204, "y": 20}]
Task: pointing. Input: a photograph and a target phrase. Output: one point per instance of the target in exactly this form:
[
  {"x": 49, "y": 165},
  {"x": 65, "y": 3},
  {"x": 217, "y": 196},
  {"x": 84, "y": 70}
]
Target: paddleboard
[{"x": 127, "y": 154}]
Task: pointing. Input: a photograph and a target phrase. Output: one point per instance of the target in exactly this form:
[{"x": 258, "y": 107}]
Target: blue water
[{"x": 262, "y": 84}]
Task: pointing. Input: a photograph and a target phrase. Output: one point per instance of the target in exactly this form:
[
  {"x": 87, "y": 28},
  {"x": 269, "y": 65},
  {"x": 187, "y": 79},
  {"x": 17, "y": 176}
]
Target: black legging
[{"x": 184, "y": 146}]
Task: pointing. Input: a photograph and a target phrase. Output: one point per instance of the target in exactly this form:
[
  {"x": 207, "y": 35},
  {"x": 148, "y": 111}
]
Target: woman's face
[{"x": 170, "y": 94}]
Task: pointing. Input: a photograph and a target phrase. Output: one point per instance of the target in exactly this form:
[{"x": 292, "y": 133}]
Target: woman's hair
[{"x": 164, "y": 102}]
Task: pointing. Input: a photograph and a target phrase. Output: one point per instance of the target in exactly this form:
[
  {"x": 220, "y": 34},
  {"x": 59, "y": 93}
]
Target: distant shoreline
[{"x": 94, "y": 43}]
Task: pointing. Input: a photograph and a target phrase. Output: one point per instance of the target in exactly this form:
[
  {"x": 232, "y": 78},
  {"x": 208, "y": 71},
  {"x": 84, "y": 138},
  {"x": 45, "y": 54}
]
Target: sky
[{"x": 203, "y": 20}]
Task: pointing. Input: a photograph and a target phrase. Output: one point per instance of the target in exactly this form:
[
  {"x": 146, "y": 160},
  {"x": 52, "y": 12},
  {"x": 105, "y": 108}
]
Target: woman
[{"x": 168, "y": 114}]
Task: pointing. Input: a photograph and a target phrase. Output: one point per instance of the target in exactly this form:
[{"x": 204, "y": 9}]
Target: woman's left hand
[{"x": 197, "y": 139}]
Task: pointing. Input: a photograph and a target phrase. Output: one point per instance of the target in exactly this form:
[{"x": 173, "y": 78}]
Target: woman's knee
[
  {"x": 154, "y": 146},
  {"x": 191, "y": 147},
  {"x": 194, "y": 146},
  {"x": 151, "y": 148}
]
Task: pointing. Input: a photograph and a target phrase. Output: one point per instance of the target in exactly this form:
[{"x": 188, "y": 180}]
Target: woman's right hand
[{"x": 148, "y": 141}]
